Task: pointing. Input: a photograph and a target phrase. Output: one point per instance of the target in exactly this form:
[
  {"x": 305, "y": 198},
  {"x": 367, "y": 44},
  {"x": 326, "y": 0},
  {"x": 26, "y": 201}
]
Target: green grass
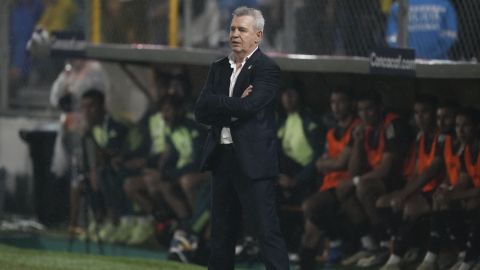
[{"x": 26, "y": 259}]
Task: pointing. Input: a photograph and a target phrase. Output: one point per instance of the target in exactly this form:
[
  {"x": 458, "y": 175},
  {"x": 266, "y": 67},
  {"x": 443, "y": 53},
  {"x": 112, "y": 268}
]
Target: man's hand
[
  {"x": 359, "y": 133},
  {"x": 247, "y": 91},
  {"x": 398, "y": 201}
]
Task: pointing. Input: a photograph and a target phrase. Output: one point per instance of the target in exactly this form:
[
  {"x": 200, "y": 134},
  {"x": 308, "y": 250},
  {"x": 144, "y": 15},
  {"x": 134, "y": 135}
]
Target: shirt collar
[{"x": 231, "y": 59}]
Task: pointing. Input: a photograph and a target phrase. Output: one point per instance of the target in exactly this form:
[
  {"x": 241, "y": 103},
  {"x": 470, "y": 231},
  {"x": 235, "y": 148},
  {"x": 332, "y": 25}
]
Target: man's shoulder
[
  {"x": 220, "y": 64},
  {"x": 222, "y": 60},
  {"x": 266, "y": 61}
]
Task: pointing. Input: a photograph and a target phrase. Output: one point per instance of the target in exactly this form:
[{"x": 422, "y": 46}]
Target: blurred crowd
[
  {"x": 437, "y": 29},
  {"x": 359, "y": 185}
]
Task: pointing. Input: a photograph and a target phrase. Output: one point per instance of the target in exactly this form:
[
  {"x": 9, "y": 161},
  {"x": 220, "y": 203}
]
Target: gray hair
[{"x": 252, "y": 12}]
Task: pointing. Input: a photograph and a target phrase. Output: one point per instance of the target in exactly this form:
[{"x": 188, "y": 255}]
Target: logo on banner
[{"x": 393, "y": 61}]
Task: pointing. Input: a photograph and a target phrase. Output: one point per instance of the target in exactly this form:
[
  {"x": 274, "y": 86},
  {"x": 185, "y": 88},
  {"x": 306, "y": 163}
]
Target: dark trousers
[{"x": 232, "y": 194}]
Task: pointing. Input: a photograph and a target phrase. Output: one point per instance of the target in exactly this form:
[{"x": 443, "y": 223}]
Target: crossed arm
[{"x": 217, "y": 110}]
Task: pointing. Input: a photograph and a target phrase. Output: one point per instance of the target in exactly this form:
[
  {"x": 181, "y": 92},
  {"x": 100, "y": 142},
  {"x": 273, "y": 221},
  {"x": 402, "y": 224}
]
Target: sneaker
[
  {"x": 456, "y": 265},
  {"x": 427, "y": 266},
  {"x": 411, "y": 255},
  {"x": 468, "y": 266},
  {"x": 393, "y": 266},
  {"x": 247, "y": 250},
  {"x": 353, "y": 259},
  {"x": 182, "y": 247},
  {"x": 293, "y": 257},
  {"x": 334, "y": 255},
  {"x": 377, "y": 258},
  {"x": 476, "y": 266}
]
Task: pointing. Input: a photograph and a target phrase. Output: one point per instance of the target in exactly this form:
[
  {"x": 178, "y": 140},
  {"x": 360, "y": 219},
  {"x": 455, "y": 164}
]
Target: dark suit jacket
[{"x": 254, "y": 130}]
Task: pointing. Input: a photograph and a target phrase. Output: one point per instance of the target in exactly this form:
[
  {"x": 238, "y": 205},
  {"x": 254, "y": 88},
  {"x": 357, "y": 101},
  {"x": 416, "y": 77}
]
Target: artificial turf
[{"x": 12, "y": 258}]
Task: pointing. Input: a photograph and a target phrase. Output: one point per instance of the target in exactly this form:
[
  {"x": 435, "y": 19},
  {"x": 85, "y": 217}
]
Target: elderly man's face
[{"x": 243, "y": 36}]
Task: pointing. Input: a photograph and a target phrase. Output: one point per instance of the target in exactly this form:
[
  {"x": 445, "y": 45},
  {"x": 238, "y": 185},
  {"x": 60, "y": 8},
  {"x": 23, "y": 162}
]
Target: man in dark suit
[{"x": 237, "y": 102}]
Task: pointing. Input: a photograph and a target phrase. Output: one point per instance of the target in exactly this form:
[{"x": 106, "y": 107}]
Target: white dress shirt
[{"x": 226, "y": 136}]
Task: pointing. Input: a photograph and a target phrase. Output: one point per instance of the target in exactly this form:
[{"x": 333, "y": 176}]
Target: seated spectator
[
  {"x": 403, "y": 208},
  {"x": 183, "y": 137},
  {"x": 322, "y": 210},
  {"x": 141, "y": 188},
  {"x": 172, "y": 176},
  {"x": 376, "y": 164},
  {"x": 432, "y": 28},
  {"x": 180, "y": 180},
  {"x": 78, "y": 77},
  {"x": 446, "y": 112},
  {"x": 457, "y": 202},
  {"x": 301, "y": 144},
  {"x": 137, "y": 187},
  {"x": 109, "y": 137},
  {"x": 138, "y": 229}
]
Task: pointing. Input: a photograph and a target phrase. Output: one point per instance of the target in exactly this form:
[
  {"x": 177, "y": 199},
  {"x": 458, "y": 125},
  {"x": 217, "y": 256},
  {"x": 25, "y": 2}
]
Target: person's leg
[
  {"x": 390, "y": 221},
  {"x": 135, "y": 188},
  {"x": 473, "y": 240},
  {"x": 390, "y": 217},
  {"x": 225, "y": 212},
  {"x": 110, "y": 189},
  {"x": 415, "y": 207},
  {"x": 201, "y": 211},
  {"x": 358, "y": 230},
  {"x": 76, "y": 189},
  {"x": 191, "y": 184},
  {"x": 353, "y": 211},
  {"x": 98, "y": 197},
  {"x": 258, "y": 200},
  {"x": 457, "y": 230},
  {"x": 321, "y": 215},
  {"x": 368, "y": 193},
  {"x": 168, "y": 192},
  {"x": 312, "y": 235}
]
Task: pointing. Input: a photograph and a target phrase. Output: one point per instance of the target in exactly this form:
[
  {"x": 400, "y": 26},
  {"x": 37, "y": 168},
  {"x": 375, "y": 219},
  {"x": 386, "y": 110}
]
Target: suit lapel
[
  {"x": 225, "y": 73},
  {"x": 244, "y": 76}
]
